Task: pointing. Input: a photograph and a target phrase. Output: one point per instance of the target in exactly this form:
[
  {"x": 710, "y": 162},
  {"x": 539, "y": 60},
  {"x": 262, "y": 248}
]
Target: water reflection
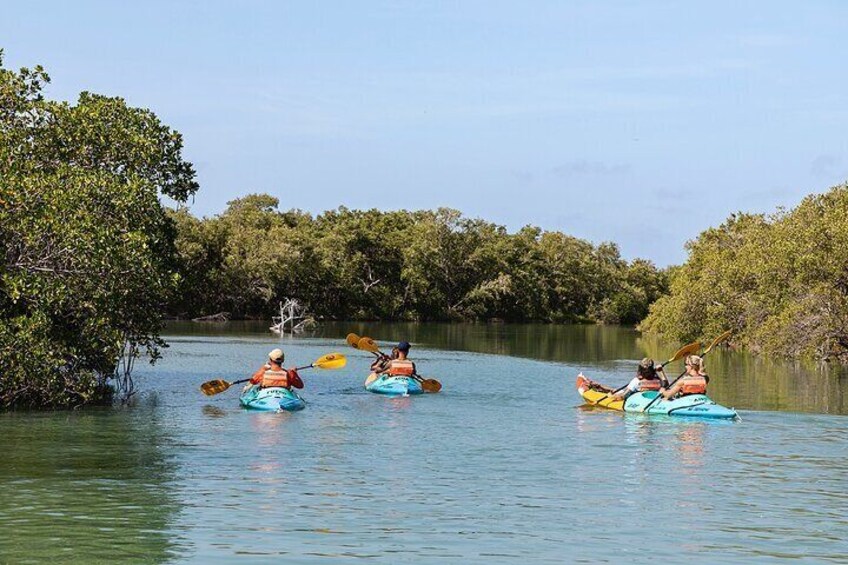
[
  {"x": 738, "y": 379},
  {"x": 97, "y": 480}
]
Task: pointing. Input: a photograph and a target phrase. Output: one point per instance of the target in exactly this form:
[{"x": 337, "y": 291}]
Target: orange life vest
[
  {"x": 649, "y": 384},
  {"x": 275, "y": 378},
  {"x": 401, "y": 368},
  {"x": 693, "y": 384}
]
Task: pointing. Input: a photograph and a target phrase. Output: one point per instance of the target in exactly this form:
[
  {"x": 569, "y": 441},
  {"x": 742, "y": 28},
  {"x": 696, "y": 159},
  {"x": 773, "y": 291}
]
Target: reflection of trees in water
[
  {"x": 762, "y": 383},
  {"x": 588, "y": 342},
  {"x": 87, "y": 487},
  {"x": 738, "y": 379}
]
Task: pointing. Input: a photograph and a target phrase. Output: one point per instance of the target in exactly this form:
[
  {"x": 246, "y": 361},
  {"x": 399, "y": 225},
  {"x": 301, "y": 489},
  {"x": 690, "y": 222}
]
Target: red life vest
[
  {"x": 401, "y": 368},
  {"x": 649, "y": 384},
  {"x": 693, "y": 384}
]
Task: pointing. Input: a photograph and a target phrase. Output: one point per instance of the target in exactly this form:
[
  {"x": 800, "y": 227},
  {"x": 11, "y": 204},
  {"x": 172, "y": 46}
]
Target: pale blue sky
[{"x": 637, "y": 122}]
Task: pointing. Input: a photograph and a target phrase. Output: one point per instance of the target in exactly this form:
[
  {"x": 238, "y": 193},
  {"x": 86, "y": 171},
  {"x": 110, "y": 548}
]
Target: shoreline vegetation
[
  {"x": 93, "y": 260},
  {"x": 400, "y": 266}
]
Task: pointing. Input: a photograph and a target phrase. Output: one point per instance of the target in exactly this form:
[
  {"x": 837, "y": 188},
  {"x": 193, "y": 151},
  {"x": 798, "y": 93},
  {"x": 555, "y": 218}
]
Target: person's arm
[
  {"x": 663, "y": 378},
  {"x": 632, "y": 386},
  {"x": 670, "y": 393},
  {"x": 384, "y": 367},
  {"x": 293, "y": 378},
  {"x": 257, "y": 376}
]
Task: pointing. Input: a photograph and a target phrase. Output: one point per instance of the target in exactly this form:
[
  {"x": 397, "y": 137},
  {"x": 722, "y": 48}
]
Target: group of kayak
[{"x": 272, "y": 386}]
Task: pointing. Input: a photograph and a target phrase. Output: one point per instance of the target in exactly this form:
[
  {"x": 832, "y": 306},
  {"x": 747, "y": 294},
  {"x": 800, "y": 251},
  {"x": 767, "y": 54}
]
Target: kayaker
[
  {"x": 381, "y": 364},
  {"x": 693, "y": 381},
  {"x": 648, "y": 377},
  {"x": 272, "y": 374},
  {"x": 400, "y": 366}
]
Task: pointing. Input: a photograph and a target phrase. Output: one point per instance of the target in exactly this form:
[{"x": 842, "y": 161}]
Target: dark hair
[{"x": 647, "y": 372}]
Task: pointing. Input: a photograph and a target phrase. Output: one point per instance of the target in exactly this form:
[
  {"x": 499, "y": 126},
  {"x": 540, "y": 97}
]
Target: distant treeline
[
  {"x": 401, "y": 265},
  {"x": 780, "y": 282}
]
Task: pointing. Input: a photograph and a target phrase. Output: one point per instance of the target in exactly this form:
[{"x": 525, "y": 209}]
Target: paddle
[
  {"x": 715, "y": 342},
  {"x": 353, "y": 340},
  {"x": 328, "y": 361},
  {"x": 679, "y": 354},
  {"x": 368, "y": 344}
]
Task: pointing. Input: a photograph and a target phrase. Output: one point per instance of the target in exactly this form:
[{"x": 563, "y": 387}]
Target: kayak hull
[
  {"x": 271, "y": 399},
  {"x": 691, "y": 406},
  {"x": 392, "y": 386}
]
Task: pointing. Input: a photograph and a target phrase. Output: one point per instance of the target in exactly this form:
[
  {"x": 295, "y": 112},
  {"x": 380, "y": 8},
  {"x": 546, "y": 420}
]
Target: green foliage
[
  {"x": 87, "y": 249},
  {"x": 780, "y": 282},
  {"x": 425, "y": 265}
]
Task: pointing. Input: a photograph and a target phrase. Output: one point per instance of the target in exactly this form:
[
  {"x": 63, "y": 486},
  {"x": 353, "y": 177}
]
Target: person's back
[
  {"x": 693, "y": 381},
  {"x": 272, "y": 374},
  {"x": 647, "y": 378},
  {"x": 402, "y": 366}
]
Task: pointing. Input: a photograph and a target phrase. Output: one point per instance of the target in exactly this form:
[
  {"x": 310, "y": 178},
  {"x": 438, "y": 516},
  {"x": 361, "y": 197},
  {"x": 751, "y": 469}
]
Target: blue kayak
[
  {"x": 272, "y": 399},
  {"x": 393, "y": 386},
  {"x": 692, "y": 405}
]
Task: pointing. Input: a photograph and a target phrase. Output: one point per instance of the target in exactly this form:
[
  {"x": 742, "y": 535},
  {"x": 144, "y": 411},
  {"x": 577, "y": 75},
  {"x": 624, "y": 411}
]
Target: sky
[{"x": 641, "y": 123}]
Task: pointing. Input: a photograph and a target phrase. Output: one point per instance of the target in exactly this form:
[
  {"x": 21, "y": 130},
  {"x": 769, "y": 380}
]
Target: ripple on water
[{"x": 503, "y": 467}]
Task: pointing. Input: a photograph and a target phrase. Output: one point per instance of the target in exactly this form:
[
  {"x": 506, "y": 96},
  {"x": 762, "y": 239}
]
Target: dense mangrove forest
[
  {"x": 93, "y": 261},
  {"x": 88, "y": 256},
  {"x": 779, "y": 281},
  {"x": 424, "y": 265}
]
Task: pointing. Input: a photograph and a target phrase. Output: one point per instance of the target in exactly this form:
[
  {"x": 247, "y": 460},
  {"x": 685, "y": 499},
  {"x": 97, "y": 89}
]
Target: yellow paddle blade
[
  {"x": 368, "y": 344},
  {"x": 211, "y": 388},
  {"x": 353, "y": 340},
  {"x": 331, "y": 361},
  {"x": 693, "y": 347},
  {"x": 718, "y": 340}
]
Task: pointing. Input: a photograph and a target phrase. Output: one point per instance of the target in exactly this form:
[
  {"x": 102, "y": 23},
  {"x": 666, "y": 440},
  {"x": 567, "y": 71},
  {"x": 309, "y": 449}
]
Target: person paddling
[
  {"x": 401, "y": 365},
  {"x": 381, "y": 364},
  {"x": 693, "y": 381},
  {"x": 648, "y": 377},
  {"x": 272, "y": 374}
]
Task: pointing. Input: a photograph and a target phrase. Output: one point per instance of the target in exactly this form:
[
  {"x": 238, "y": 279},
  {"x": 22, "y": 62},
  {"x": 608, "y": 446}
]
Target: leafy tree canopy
[
  {"x": 87, "y": 249},
  {"x": 780, "y": 282}
]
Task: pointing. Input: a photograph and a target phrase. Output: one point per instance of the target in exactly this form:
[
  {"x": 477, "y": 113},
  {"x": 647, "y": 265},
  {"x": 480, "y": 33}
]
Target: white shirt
[{"x": 633, "y": 386}]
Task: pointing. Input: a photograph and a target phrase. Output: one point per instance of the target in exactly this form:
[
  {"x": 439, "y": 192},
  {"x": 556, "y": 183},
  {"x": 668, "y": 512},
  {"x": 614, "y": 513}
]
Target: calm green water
[{"x": 503, "y": 467}]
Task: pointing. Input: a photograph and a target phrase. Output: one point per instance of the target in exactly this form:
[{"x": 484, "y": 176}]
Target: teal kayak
[
  {"x": 393, "y": 386},
  {"x": 691, "y": 405},
  {"x": 271, "y": 399}
]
